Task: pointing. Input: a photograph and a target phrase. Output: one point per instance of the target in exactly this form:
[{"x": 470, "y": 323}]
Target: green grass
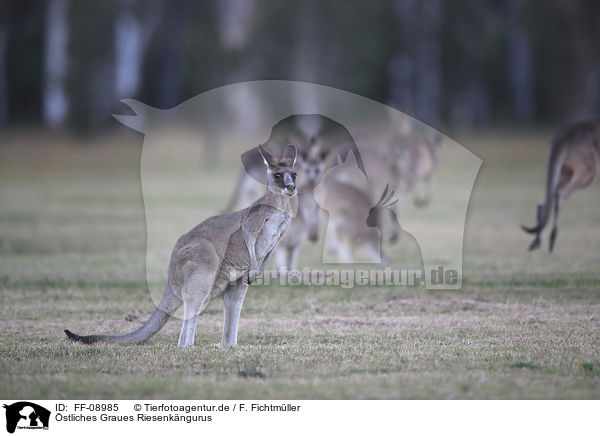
[{"x": 72, "y": 255}]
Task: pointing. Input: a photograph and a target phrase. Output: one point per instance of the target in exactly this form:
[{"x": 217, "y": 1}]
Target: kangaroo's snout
[
  {"x": 289, "y": 184},
  {"x": 289, "y": 190}
]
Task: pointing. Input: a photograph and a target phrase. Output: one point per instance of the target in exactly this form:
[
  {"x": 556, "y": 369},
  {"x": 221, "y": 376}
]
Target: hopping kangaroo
[
  {"x": 220, "y": 257},
  {"x": 572, "y": 164}
]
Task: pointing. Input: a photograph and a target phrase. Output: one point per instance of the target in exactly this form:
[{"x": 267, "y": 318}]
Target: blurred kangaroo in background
[
  {"x": 305, "y": 224},
  {"x": 423, "y": 155},
  {"x": 220, "y": 257},
  {"x": 318, "y": 137},
  {"x": 404, "y": 160},
  {"x": 301, "y": 130},
  {"x": 573, "y": 164},
  {"x": 305, "y": 131},
  {"x": 355, "y": 221}
]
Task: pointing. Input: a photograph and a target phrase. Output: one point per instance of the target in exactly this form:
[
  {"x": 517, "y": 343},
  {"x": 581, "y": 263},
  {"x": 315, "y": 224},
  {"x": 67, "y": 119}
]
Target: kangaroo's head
[
  {"x": 311, "y": 165},
  {"x": 281, "y": 175}
]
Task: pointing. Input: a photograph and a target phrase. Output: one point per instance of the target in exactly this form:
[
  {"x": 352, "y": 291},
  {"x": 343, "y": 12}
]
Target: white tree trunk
[
  {"x": 56, "y": 103},
  {"x": 307, "y": 54},
  {"x": 235, "y": 22},
  {"x": 132, "y": 36}
]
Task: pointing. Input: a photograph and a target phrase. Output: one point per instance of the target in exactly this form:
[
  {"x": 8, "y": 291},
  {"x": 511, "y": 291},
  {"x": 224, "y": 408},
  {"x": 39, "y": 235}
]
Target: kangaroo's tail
[
  {"x": 159, "y": 318},
  {"x": 555, "y": 161}
]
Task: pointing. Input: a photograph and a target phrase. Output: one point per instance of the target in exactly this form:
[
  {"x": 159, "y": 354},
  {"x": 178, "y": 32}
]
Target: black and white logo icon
[{"x": 26, "y": 415}]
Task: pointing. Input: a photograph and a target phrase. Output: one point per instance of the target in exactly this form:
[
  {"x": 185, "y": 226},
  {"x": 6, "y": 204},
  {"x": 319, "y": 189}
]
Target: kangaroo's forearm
[{"x": 250, "y": 229}]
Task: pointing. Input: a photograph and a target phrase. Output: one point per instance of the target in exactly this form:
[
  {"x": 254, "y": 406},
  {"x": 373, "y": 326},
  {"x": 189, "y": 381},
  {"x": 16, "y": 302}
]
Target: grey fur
[{"x": 219, "y": 258}]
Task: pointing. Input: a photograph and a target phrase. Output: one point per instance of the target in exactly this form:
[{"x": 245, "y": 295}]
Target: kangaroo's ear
[
  {"x": 288, "y": 157},
  {"x": 267, "y": 156}
]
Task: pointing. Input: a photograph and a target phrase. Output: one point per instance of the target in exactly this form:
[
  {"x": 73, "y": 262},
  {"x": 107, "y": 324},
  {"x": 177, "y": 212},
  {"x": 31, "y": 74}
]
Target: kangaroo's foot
[
  {"x": 552, "y": 238},
  {"x": 535, "y": 244},
  {"x": 422, "y": 201}
]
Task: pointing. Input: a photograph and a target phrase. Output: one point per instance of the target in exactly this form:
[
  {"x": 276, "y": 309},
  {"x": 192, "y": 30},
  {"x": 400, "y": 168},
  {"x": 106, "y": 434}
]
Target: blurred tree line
[{"x": 66, "y": 63}]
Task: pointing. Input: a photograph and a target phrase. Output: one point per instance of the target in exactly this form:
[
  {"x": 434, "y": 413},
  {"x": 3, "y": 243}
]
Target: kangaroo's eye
[
  {"x": 277, "y": 175},
  {"x": 294, "y": 176}
]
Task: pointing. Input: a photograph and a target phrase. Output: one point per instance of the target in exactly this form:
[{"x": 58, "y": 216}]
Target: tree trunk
[
  {"x": 469, "y": 98},
  {"x": 235, "y": 22},
  {"x": 401, "y": 68},
  {"x": 520, "y": 64},
  {"x": 171, "y": 68},
  {"x": 428, "y": 60},
  {"x": 415, "y": 70},
  {"x": 3, "y": 85},
  {"x": 56, "y": 103},
  {"x": 585, "y": 98},
  {"x": 132, "y": 36},
  {"x": 305, "y": 62}
]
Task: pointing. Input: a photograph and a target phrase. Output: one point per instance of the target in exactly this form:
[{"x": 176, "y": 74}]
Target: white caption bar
[{"x": 268, "y": 417}]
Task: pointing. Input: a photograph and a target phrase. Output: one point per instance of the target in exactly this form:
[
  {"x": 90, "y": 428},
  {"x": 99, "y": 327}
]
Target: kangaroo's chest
[{"x": 271, "y": 232}]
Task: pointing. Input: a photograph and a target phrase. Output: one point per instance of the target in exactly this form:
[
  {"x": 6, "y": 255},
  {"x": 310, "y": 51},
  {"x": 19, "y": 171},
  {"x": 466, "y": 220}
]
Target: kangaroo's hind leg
[
  {"x": 282, "y": 259},
  {"x": 196, "y": 293},
  {"x": 344, "y": 251},
  {"x": 566, "y": 185},
  {"x": 537, "y": 241},
  {"x": 375, "y": 252},
  {"x": 554, "y": 231},
  {"x": 426, "y": 198},
  {"x": 293, "y": 256},
  {"x": 192, "y": 307},
  {"x": 233, "y": 298}
]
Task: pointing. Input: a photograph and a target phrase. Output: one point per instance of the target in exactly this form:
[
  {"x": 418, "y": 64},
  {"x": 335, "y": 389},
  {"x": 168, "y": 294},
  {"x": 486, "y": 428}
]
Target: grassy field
[{"x": 72, "y": 255}]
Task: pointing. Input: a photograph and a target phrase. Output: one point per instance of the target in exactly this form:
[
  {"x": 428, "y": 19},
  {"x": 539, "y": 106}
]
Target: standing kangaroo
[
  {"x": 305, "y": 224},
  {"x": 220, "y": 257},
  {"x": 354, "y": 222},
  {"x": 572, "y": 164}
]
